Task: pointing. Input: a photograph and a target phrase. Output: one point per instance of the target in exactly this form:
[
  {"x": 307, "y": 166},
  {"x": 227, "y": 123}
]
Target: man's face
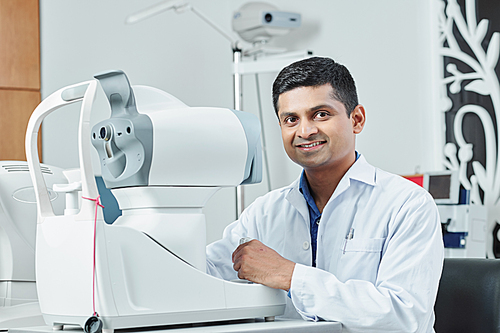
[{"x": 316, "y": 131}]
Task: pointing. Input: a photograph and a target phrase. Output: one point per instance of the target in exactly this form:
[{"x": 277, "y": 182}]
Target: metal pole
[
  {"x": 264, "y": 144},
  {"x": 238, "y": 105}
]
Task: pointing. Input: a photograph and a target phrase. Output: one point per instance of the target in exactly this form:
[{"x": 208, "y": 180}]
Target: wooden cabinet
[
  {"x": 16, "y": 107},
  {"x": 19, "y": 73}
]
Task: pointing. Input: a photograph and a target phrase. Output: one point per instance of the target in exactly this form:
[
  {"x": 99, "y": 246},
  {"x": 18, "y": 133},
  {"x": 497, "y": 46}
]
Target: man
[{"x": 349, "y": 242}]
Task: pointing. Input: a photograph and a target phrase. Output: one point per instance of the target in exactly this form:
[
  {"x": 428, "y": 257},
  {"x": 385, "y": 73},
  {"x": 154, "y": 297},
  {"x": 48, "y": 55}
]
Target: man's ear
[{"x": 358, "y": 119}]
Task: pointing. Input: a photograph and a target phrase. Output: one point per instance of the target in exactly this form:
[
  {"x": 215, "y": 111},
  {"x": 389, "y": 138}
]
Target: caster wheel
[{"x": 93, "y": 325}]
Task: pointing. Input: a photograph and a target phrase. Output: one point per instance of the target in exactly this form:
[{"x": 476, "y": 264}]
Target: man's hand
[{"x": 258, "y": 263}]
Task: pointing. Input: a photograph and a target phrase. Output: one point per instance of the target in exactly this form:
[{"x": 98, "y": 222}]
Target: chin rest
[{"x": 468, "y": 298}]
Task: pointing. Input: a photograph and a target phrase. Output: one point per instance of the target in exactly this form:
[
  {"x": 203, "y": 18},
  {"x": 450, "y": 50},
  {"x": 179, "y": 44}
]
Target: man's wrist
[{"x": 288, "y": 277}]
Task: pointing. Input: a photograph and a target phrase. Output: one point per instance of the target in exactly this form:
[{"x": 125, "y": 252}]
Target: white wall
[{"x": 386, "y": 44}]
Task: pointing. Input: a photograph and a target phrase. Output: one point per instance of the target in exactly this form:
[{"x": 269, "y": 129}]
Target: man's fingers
[
  {"x": 240, "y": 248},
  {"x": 237, "y": 265},
  {"x": 237, "y": 252}
]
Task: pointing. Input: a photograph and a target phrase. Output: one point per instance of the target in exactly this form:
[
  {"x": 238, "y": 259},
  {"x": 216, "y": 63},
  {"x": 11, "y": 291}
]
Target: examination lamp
[
  {"x": 179, "y": 7},
  {"x": 258, "y": 22}
]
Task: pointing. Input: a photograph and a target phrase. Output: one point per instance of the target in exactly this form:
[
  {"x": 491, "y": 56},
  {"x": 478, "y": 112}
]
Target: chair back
[{"x": 468, "y": 298}]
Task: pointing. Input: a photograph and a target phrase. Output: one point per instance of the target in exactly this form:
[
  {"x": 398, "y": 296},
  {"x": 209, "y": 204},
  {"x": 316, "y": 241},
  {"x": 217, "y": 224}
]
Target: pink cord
[{"x": 97, "y": 204}]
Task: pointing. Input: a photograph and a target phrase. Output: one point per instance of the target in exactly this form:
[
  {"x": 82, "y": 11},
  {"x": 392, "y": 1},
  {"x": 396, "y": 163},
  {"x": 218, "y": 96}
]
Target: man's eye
[
  {"x": 290, "y": 120},
  {"x": 321, "y": 114}
]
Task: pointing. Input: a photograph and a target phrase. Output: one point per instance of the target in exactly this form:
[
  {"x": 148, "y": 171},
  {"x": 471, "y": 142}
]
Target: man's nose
[{"x": 307, "y": 129}]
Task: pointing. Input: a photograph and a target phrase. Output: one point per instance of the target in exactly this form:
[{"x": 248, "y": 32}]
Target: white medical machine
[
  {"x": 465, "y": 235},
  {"x": 18, "y": 297},
  {"x": 464, "y": 224},
  {"x": 163, "y": 161}
]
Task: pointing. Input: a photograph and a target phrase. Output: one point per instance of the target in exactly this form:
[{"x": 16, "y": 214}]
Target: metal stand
[{"x": 238, "y": 105}]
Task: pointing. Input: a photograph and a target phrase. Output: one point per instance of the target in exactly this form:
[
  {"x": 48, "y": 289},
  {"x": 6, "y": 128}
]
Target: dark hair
[{"x": 315, "y": 72}]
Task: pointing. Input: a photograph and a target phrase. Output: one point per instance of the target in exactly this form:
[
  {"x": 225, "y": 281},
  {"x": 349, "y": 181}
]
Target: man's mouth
[{"x": 311, "y": 145}]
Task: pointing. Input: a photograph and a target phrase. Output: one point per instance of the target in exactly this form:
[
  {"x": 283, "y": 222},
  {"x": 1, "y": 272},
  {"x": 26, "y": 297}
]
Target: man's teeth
[{"x": 311, "y": 145}]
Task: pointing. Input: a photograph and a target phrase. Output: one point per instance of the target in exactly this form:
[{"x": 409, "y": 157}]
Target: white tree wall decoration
[{"x": 472, "y": 69}]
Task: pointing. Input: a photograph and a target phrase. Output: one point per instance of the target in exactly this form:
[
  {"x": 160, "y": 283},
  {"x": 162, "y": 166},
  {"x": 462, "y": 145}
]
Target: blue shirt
[{"x": 314, "y": 213}]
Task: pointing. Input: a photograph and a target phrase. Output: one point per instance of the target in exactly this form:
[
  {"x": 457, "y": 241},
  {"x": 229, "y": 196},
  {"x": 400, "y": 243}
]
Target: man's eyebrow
[
  {"x": 322, "y": 106},
  {"x": 313, "y": 109},
  {"x": 286, "y": 114}
]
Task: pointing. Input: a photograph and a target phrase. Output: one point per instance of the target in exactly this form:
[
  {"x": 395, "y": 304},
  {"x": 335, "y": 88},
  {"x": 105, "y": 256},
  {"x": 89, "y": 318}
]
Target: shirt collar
[
  {"x": 362, "y": 171},
  {"x": 304, "y": 189},
  {"x": 304, "y": 185}
]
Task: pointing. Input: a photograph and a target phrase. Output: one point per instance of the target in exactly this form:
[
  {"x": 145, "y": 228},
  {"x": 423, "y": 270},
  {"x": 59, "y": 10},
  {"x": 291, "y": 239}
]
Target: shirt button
[{"x": 305, "y": 245}]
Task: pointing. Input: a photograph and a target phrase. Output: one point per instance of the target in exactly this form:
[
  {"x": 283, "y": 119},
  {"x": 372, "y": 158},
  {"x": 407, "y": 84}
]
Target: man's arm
[
  {"x": 402, "y": 298},
  {"x": 258, "y": 263}
]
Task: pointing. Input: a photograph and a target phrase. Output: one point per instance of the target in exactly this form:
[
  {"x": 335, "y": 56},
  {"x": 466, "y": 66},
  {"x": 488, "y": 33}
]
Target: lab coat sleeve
[
  {"x": 402, "y": 298},
  {"x": 219, "y": 253}
]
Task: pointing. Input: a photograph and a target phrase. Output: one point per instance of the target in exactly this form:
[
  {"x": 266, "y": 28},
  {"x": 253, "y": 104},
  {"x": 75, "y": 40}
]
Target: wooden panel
[
  {"x": 20, "y": 44},
  {"x": 15, "y": 110}
]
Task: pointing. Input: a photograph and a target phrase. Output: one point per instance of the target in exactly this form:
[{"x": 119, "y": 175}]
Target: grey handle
[{"x": 119, "y": 92}]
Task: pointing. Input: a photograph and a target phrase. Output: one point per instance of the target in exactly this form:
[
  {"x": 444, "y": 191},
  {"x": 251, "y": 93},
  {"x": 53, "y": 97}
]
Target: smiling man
[{"x": 347, "y": 241}]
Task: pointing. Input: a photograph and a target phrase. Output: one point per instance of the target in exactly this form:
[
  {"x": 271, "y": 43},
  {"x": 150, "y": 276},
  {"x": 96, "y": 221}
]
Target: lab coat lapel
[
  {"x": 296, "y": 199},
  {"x": 298, "y": 232},
  {"x": 326, "y": 257},
  {"x": 360, "y": 171}
]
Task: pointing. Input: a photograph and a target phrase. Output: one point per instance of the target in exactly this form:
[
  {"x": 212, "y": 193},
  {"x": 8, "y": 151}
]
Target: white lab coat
[{"x": 384, "y": 279}]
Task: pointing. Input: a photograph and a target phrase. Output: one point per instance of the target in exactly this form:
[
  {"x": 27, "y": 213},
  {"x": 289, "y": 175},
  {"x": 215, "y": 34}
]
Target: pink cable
[{"x": 97, "y": 204}]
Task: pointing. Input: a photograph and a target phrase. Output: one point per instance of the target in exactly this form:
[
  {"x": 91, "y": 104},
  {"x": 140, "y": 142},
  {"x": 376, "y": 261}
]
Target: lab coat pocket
[{"x": 359, "y": 259}]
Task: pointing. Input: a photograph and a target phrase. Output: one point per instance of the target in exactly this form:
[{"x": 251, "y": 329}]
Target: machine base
[
  {"x": 240, "y": 326},
  {"x": 174, "y": 318},
  {"x": 21, "y": 315}
]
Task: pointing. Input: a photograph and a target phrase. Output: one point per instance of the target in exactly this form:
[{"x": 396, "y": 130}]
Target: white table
[{"x": 242, "y": 326}]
